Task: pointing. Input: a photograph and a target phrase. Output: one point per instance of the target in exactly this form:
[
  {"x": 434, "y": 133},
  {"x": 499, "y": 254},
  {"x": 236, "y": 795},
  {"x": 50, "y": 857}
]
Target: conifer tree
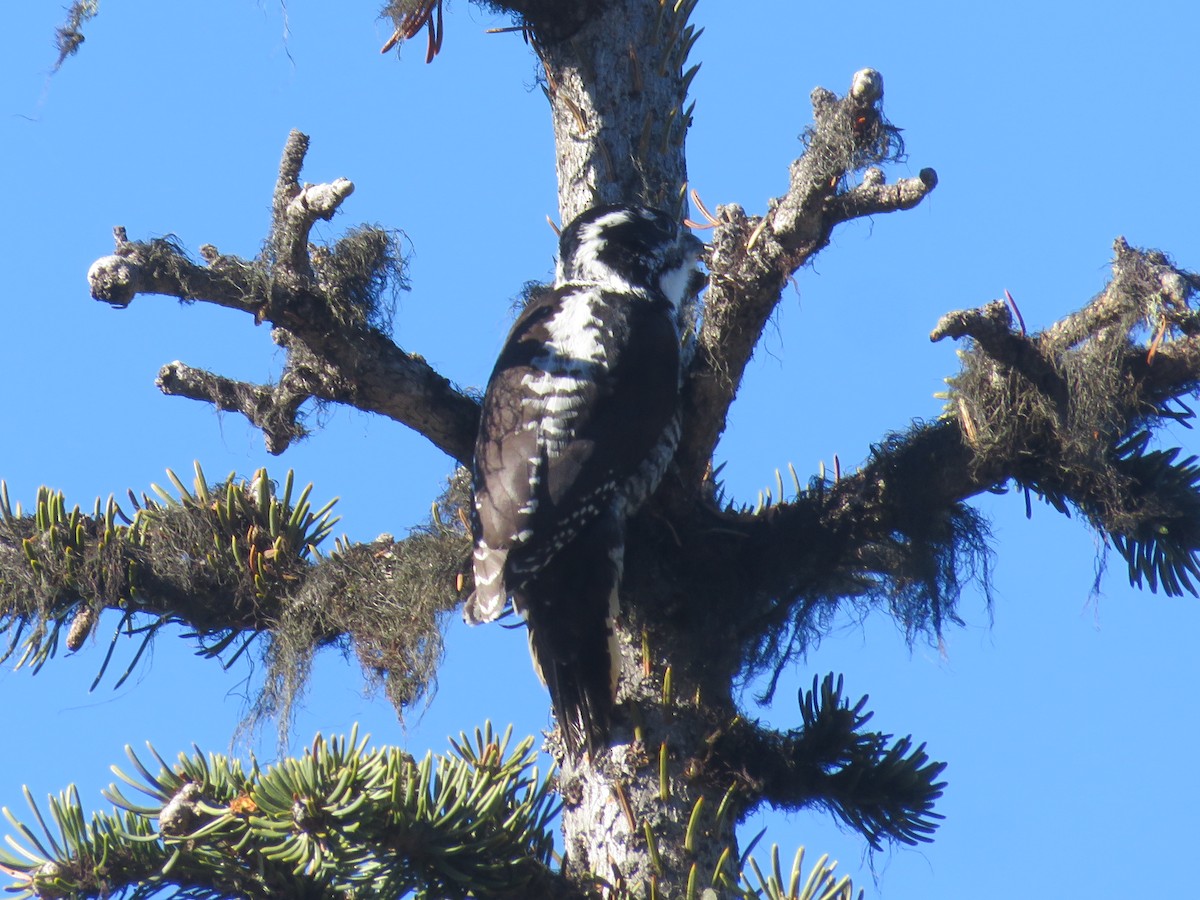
[{"x": 716, "y": 590}]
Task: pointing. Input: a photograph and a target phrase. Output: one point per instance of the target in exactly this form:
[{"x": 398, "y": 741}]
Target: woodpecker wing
[{"x": 565, "y": 426}]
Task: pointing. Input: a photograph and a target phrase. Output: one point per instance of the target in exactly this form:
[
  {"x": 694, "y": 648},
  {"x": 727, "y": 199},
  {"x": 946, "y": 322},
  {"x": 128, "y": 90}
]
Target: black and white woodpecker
[{"x": 580, "y": 420}]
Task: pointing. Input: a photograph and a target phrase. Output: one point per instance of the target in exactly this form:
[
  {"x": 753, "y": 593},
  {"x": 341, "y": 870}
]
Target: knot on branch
[
  {"x": 1068, "y": 411},
  {"x": 114, "y": 280}
]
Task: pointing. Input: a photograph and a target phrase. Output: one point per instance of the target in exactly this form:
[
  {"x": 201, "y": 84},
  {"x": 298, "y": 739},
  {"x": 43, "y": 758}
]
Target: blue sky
[{"x": 1066, "y": 721}]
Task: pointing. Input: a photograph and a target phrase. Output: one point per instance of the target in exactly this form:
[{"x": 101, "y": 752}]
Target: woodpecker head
[{"x": 626, "y": 248}]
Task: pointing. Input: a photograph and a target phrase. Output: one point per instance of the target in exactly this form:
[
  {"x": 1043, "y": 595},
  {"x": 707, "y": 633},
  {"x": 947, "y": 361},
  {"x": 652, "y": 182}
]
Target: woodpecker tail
[
  {"x": 490, "y": 595},
  {"x": 570, "y": 608}
]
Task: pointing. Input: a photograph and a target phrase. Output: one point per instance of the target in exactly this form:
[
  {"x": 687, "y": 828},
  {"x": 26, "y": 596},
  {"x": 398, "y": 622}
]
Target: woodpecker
[{"x": 580, "y": 419}]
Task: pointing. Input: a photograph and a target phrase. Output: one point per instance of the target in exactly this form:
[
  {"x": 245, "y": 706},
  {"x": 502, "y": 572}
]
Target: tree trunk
[
  {"x": 617, "y": 96},
  {"x": 617, "y": 92},
  {"x": 646, "y": 814}
]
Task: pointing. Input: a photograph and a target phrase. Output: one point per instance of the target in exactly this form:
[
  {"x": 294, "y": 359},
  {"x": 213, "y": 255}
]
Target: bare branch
[
  {"x": 753, "y": 258},
  {"x": 272, "y": 408},
  {"x": 161, "y": 267},
  {"x": 874, "y": 196},
  {"x": 369, "y": 372},
  {"x": 334, "y": 352},
  {"x": 990, "y": 327},
  {"x": 296, "y": 209}
]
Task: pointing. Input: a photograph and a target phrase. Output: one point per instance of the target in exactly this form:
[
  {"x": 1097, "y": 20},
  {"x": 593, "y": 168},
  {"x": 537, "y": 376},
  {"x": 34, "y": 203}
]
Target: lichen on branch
[
  {"x": 1068, "y": 413},
  {"x": 236, "y": 563}
]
